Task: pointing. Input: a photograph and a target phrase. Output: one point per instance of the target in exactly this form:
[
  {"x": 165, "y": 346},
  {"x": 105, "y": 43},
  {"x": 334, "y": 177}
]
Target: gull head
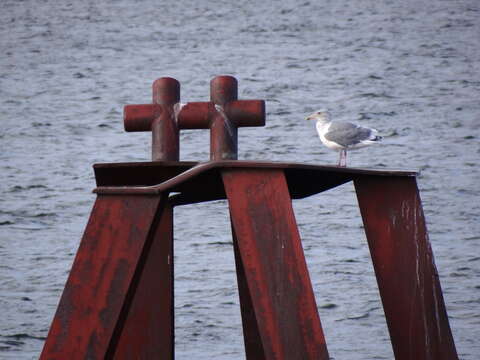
[{"x": 321, "y": 115}]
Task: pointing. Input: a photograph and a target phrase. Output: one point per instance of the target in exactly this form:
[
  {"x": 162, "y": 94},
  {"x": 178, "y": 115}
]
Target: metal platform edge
[{"x": 183, "y": 172}]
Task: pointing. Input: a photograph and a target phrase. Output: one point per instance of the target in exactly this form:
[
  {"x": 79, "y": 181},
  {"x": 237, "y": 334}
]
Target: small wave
[
  {"x": 79, "y": 75},
  {"x": 458, "y": 274},
  {"x": 42, "y": 215},
  {"x": 41, "y": 124},
  {"x": 357, "y": 317},
  {"x": 328, "y": 306},
  {"x": 253, "y": 29},
  {"x": 350, "y": 261},
  {"x": 18, "y": 188},
  {"x": 20, "y": 336},
  {"x": 354, "y": 317},
  {"x": 221, "y": 243},
  {"x": 371, "y": 95}
]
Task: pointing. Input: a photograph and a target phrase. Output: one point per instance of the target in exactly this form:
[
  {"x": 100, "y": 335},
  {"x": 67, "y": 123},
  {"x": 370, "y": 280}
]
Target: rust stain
[
  {"x": 270, "y": 251},
  {"x": 406, "y": 273}
]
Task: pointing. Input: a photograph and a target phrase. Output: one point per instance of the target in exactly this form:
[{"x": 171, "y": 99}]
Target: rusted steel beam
[
  {"x": 104, "y": 277},
  {"x": 251, "y": 334},
  {"x": 276, "y": 274},
  {"x": 148, "y": 332},
  {"x": 405, "y": 269}
]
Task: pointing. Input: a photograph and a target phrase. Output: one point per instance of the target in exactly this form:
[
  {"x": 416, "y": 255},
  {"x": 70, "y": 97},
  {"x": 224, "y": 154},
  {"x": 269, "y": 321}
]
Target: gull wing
[{"x": 348, "y": 134}]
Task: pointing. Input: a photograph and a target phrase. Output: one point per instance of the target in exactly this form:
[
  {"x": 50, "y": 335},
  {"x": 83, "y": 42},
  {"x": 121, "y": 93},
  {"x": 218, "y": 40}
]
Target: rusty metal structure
[{"x": 118, "y": 302}]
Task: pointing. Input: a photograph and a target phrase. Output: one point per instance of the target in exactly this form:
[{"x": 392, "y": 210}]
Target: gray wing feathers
[{"x": 348, "y": 134}]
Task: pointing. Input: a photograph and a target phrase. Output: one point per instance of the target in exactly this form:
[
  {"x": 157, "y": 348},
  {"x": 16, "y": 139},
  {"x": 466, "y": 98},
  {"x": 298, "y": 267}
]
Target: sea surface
[{"x": 410, "y": 68}]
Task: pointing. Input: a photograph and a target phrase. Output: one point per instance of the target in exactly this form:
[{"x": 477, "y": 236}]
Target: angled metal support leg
[
  {"x": 148, "y": 332},
  {"x": 253, "y": 343},
  {"x": 405, "y": 269},
  {"x": 276, "y": 282},
  {"x": 106, "y": 273}
]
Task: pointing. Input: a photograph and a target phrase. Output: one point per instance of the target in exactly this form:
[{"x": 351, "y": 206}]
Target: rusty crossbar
[{"x": 118, "y": 301}]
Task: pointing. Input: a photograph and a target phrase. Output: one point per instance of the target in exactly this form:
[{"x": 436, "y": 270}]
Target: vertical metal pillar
[
  {"x": 276, "y": 284},
  {"x": 223, "y": 133},
  {"x": 405, "y": 269},
  {"x": 165, "y": 132}
]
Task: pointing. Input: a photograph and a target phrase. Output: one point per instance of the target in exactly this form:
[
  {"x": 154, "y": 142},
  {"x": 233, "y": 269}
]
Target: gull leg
[{"x": 343, "y": 158}]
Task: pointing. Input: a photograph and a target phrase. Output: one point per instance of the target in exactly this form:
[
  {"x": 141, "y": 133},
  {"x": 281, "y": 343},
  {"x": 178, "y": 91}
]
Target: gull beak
[{"x": 310, "y": 117}]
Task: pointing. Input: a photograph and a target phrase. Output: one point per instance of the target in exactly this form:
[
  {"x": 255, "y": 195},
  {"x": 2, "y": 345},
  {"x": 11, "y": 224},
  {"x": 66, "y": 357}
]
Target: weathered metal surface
[
  {"x": 148, "y": 332},
  {"x": 203, "y": 179},
  {"x": 242, "y": 113},
  {"x": 118, "y": 302},
  {"x": 140, "y": 117},
  {"x": 222, "y": 115},
  {"x": 165, "y": 133},
  {"x": 275, "y": 272},
  {"x": 251, "y": 333},
  {"x": 104, "y": 277},
  {"x": 196, "y": 114},
  {"x": 138, "y": 174},
  {"x": 405, "y": 269},
  {"x": 271, "y": 271},
  {"x": 159, "y": 118},
  {"x": 223, "y": 132}
]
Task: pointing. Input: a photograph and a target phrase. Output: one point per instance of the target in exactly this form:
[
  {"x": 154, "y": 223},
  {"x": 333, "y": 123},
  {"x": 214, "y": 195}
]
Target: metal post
[
  {"x": 149, "y": 330},
  {"x": 278, "y": 286},
  {"x": 104, "y": 278},
  {"x": 406, "y": 273},
  {"x": 165, "y": 132},
  {"x": 223, "y": 131},
  {"x": 222, "y": 115},
  {"x": 251, "y": 334}
]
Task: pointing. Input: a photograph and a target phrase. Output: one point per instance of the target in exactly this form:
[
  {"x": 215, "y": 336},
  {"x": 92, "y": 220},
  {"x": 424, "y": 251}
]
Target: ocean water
[{"x": 409, "y": 68}]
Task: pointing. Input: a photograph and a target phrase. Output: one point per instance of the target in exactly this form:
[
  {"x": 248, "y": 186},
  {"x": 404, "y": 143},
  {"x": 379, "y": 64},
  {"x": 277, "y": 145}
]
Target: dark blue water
[{"x": 408, "y": 68}]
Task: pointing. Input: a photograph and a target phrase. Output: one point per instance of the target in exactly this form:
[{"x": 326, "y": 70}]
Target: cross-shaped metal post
[
  {"x": 158, "y": 117},
  {"x": 223, "y": 115}
]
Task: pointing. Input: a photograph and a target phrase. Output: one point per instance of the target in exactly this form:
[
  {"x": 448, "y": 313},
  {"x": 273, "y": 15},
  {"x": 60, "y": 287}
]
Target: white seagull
[{"x": 342, "y": 136}]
